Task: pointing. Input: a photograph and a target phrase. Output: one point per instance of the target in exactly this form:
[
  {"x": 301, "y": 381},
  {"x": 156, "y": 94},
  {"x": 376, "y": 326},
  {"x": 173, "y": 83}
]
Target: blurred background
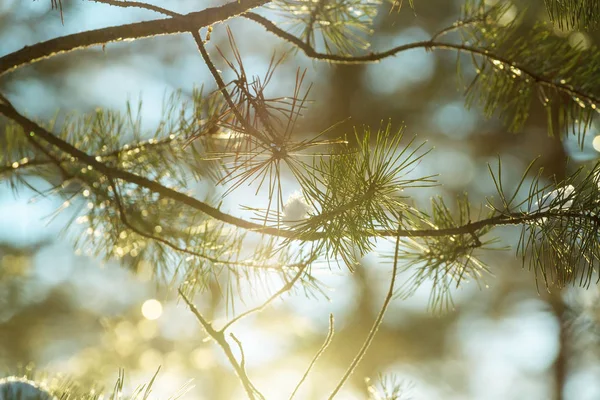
[{"x": 66, "y": 311}]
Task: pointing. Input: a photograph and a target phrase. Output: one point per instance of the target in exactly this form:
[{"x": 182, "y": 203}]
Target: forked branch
[{"x": 219, "y": 337}]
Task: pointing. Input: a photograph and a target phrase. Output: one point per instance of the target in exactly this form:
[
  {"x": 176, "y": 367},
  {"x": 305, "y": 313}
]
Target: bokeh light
[{"x": 152, "y": 309}]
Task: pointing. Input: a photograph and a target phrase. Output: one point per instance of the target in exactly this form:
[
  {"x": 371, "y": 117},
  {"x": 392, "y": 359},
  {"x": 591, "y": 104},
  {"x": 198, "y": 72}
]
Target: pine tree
[{"x": 358, "y": 189}]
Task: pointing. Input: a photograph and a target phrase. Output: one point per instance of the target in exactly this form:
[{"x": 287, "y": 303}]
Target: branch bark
[{"x": 139, "y": 30}]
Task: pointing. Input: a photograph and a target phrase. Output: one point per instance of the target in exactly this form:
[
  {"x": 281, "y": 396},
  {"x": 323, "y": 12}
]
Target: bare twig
[
  {"x": 374, "y": 328},
  {"x": 288, "y": 286},
  {"x": 243, "y": 362},
  {"x": 316, "y": 357},
  {"x": 219, "y": 337}
]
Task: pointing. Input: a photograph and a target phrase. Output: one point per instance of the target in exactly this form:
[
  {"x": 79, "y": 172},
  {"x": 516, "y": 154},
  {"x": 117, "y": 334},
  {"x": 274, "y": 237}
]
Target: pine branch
[
  {"x": 572, "y": 14},
  {"x": 469, "y": 229},
  {"x": 512, "y": 67},
  {"x": 168, "y": 26},
  {"x": 427, "y": 45},
  {"x": 499, "y": 220},
  {"x": 30, "y": 126},
  {"x": 248, "y": 129},
  {"x": 342, "y": 25}
]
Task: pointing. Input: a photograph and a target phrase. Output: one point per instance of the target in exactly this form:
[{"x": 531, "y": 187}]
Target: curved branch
[
  {"x": 30, "y": 126},
  {"x": 324, "y": 347},
  {"x": 426, "y": 44},
  {"x": 219, "y": 337},
  {"x": 138, "y": 30},
  {"x": 515, "y": 218},
  {"x": 288, "y": 286}
]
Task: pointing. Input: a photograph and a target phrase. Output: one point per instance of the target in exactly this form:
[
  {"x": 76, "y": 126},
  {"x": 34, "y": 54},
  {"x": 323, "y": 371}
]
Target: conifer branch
[
  {"x": 97, "y": 37},
  {"x": 428, "y": 45},
  {"x": 53, "y": 160},
  {"x": 515, "y": 218},
  {"x": 30, "y": 126},
  {"x": 249, "y": 129}
]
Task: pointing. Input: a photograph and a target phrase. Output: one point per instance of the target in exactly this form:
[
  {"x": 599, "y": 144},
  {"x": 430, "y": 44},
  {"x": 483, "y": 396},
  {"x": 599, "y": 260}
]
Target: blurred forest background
[{"x": 66, "y": 311}]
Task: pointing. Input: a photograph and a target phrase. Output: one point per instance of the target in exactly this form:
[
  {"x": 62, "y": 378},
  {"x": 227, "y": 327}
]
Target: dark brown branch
[
  {"x": 427, "y": 45},
  {"x": 505, "y": 219},
  {"x": 138, "y": 30},
  {"x": 30, "y": 126}
]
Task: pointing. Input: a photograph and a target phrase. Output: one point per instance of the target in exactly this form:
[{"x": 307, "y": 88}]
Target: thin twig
[
  {"x": 316, "y": 357},
  {"x": 457, "y": 25},
  {"x": 125, "y": 221},
  {"x": 374, "y": 328},
  {"x": 219, "y": 337},
  {"x": 250, "y": 130},
  {"x": 288, "y": 286},
  {"x": 243, "y": 362}
]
